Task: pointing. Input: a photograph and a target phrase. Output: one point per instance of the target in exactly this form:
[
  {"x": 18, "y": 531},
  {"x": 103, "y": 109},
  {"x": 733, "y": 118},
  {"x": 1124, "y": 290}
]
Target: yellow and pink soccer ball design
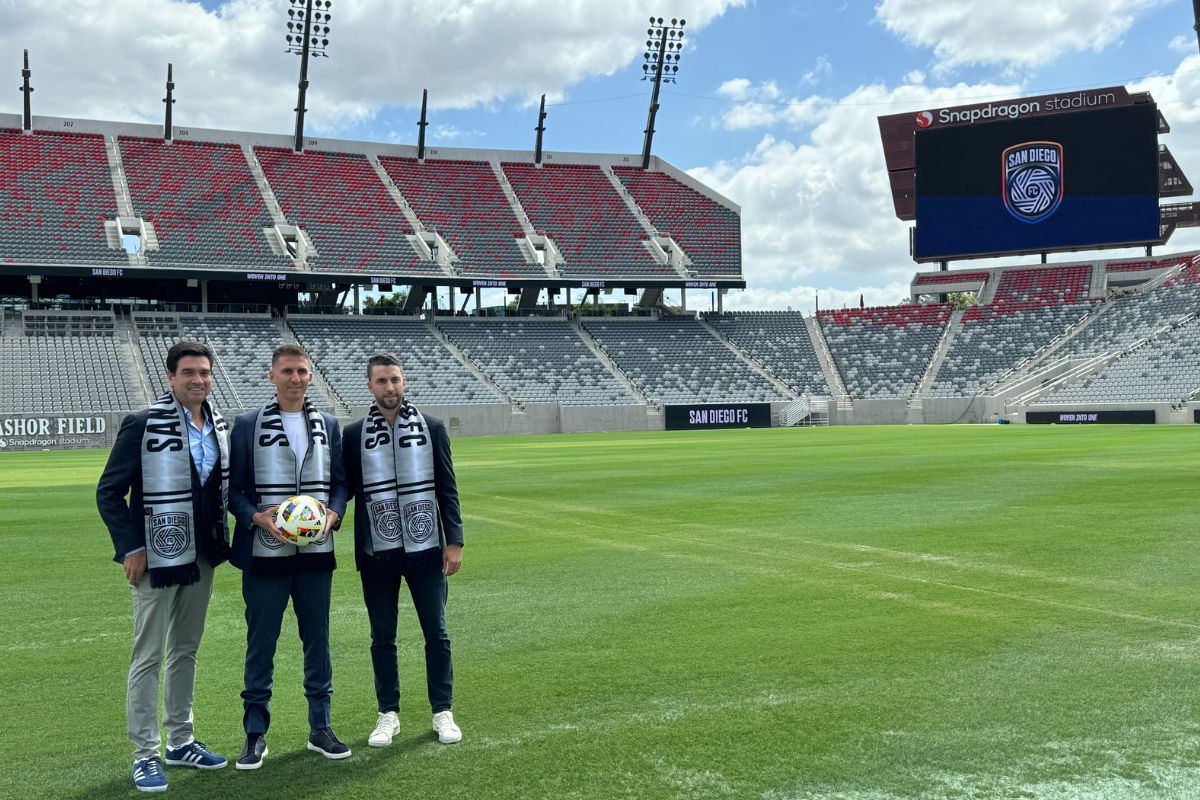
[{"x": 301, "y": 519}]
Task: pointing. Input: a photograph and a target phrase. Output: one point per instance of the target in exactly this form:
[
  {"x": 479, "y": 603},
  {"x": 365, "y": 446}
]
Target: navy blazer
[
  {"x": 445, "y": 487},
  {"x": 244, "y": 499},
  {"x": 123, "y": 476}
]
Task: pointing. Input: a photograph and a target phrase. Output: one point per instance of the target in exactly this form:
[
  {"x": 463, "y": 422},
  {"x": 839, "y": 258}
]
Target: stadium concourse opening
[{"x": 237, "y": 239}]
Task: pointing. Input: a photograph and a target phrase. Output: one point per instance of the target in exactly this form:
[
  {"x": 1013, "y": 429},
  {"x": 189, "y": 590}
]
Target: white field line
[{"x": 768, "y": 556}]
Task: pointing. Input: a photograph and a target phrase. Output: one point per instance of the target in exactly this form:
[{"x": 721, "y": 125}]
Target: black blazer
[
  {"x": 445, "y": 487},
  {"x": 126, "y": 520},
  {"x": 244, "y": 499}
]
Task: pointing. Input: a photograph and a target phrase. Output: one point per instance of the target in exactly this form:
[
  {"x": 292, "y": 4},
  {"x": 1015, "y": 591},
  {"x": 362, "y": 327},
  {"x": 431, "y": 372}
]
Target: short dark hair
[
  {"x": 289, "y": 349},
  {"x": 383, "y": 360},
  {"x": 188, "y": 348}
]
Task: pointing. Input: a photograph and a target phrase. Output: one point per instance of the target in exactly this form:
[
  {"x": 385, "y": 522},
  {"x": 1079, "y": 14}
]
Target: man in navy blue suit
[
  {"x": 283, "y": 449},
  {"x": 407, "y": 527},
  {"x": 172, "y": 461}
]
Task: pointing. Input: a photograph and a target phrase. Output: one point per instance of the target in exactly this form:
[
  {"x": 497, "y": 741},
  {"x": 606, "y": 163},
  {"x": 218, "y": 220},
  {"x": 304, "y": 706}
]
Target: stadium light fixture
[
  {"x": 664, "y": 45},
  {"x": 308, "y": 35}
]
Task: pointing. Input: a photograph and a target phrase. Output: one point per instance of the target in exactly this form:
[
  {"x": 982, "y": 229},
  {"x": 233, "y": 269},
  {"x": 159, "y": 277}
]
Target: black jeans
[
  {"x": 266, "y": 599},
  {"x": 381, "y": 592}
]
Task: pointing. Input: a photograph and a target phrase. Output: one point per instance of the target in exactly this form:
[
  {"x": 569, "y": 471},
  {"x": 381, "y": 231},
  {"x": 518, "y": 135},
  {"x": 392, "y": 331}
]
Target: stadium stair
[
  {"x": 832, "y": 377},
  {"x": 264, "y": 186},
  {"x": 680, "y": 262},
  {"x": 120, "y": 185},
  {"x": 401, "y": 203},
  {"x": 609, "y": 364},
  {"x": 131, "y": 354},
  {"x": 749, "y": 360},
  {"x": 473, "y": 368},
  {"x": 935, "y": 362}
]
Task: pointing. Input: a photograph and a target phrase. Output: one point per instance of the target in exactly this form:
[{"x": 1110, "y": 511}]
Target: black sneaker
[
  {"x": 253, "y": 753},
  {"x": 325, "y": 742}
]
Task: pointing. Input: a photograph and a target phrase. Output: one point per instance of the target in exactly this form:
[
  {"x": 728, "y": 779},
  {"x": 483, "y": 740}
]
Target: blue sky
[{"x": 774, "y": 107}]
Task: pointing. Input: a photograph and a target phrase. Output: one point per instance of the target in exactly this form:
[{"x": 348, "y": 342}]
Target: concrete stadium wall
[{"x": 500, "y": 419}]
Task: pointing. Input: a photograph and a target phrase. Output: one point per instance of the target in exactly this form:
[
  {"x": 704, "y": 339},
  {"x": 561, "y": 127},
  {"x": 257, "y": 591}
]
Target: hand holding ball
[{"x": 301, "y": 519}]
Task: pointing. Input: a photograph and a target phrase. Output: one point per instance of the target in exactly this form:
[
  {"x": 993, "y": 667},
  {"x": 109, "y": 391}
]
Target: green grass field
[{"x": 855, "y": 613}]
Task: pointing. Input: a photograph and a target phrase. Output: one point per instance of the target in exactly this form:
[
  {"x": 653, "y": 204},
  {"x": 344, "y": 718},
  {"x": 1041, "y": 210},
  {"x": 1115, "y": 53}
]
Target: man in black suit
[
  {"x": 172, "y": 461},
  {"x": 283, "y": 449},
  {"x": 407, "y": 527}
]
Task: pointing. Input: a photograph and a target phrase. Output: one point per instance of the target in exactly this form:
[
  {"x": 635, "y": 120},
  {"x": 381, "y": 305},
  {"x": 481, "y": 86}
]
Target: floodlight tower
[
  {"x": 308, "y": 34},
  {"x": 169, "y": 100},
  {"x": 1196, "y": 14},
  {"x": 661, "y": 64},
  {"x": 26, "y": 89}
]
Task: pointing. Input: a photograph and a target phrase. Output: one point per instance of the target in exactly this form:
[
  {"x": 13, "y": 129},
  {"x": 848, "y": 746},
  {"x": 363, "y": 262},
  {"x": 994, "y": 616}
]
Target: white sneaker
[
  {"x": 447, "y": 731},
  {"x": 385, "y": 729}
]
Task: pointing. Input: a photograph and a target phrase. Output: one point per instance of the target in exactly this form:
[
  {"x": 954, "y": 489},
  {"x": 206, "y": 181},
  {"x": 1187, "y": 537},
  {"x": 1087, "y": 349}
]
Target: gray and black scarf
[
  {"x": 398, "y": 483},
  {"x": 276, "y": 477},
  {"x": 170, "y": 524}
]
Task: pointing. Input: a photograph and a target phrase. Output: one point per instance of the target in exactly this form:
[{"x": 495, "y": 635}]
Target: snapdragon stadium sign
[{"x": 56, "y": 431}]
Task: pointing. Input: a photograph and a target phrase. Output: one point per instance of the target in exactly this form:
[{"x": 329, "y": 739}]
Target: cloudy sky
[{"x": 775, "y": 105}]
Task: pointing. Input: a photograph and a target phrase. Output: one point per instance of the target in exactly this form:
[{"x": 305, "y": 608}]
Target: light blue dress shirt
[{"x": 203, "y": 445}]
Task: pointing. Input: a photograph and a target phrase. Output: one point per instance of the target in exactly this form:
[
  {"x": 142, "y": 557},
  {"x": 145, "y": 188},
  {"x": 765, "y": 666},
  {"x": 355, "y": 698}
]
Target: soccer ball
[{"x": 301, "y": 519}]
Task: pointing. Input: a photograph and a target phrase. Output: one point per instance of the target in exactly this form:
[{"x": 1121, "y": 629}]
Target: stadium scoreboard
[{"x": 1077, "y": 180}]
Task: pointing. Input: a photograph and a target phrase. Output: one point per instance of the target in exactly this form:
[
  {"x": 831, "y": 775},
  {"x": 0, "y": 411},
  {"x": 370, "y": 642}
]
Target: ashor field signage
[
  {"x": 734, "y": 415},
  {"x": 1136, "y": 417},
  {"x": 56, "y": 432}
]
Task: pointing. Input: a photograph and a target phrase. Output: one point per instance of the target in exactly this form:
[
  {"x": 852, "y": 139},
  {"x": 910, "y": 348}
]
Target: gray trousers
[{"x": 170, "y": 618}]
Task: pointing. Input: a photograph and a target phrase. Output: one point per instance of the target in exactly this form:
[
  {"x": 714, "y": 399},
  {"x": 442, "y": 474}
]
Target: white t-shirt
[{"x": 296, "y": 427}]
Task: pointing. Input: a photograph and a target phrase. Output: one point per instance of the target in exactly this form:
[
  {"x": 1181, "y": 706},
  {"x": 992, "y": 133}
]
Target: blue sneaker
[
  {"x": 148, "y": 775},
  {"x": 194, "y": 754}
]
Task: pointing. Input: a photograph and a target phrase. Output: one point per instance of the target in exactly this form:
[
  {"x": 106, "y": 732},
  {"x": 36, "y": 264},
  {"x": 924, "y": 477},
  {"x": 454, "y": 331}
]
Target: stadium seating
[
  {"x": 676, "y": 360},
  {"x": 340, "y": 347},
  {"x": 579, "y": 208},
  {"x": 56, "y": 193},
  {"x": 778, "y": 340},
  {"x": 537, "y": 360},
  {"x": 884, "y": 352},
  {"x": 1031, "y": 308},
  {"x": 340, "y": 201},
  {"x": 709, "y": 232},
  {"x": 462, "y": 201},
  {"x": 943, "y": 278},
  {"x": 65, "y": 374},
  {"x": 203, "y": 202},
  {"x": 1166, "y": 368},
  {"x": 243, "y": 345},
  {"x": 1132, "y": 317},
  {"x": 1148, "y": 264},
  {"x": 154, "y": 349}
]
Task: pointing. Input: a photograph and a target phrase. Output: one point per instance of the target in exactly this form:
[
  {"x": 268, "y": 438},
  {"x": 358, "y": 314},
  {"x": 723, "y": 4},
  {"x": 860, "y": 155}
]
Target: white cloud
[
  {"x": 817, "y": 212},
  {"x": 764, "y": 105},
  {"x": 454, "y": 134},
  {"x": 823, "y": 68},
  {"x": 1178, "y": 98},
  {"x": 1183, "y": 44},
  {"x": 108, "y": 61},
  {"x": 1016, "y": 33}
]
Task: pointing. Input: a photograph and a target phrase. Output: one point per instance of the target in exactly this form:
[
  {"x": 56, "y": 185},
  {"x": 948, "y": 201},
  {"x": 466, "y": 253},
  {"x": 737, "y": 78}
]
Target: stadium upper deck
[{"x": 242, "y": 206}]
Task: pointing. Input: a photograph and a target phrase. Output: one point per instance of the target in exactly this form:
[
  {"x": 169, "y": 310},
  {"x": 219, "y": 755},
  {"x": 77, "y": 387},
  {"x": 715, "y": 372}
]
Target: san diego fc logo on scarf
[{"x": 1033, "y": 180}]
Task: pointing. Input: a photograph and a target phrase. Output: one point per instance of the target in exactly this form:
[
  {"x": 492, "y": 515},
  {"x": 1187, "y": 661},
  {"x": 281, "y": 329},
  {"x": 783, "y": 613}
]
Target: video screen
[{"x": 1068, "y": 182}]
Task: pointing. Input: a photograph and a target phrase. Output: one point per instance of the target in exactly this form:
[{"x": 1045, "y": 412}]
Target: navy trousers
[
  {"x": 381, "y": 592},
  {"x": 266, "y": 599}
]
